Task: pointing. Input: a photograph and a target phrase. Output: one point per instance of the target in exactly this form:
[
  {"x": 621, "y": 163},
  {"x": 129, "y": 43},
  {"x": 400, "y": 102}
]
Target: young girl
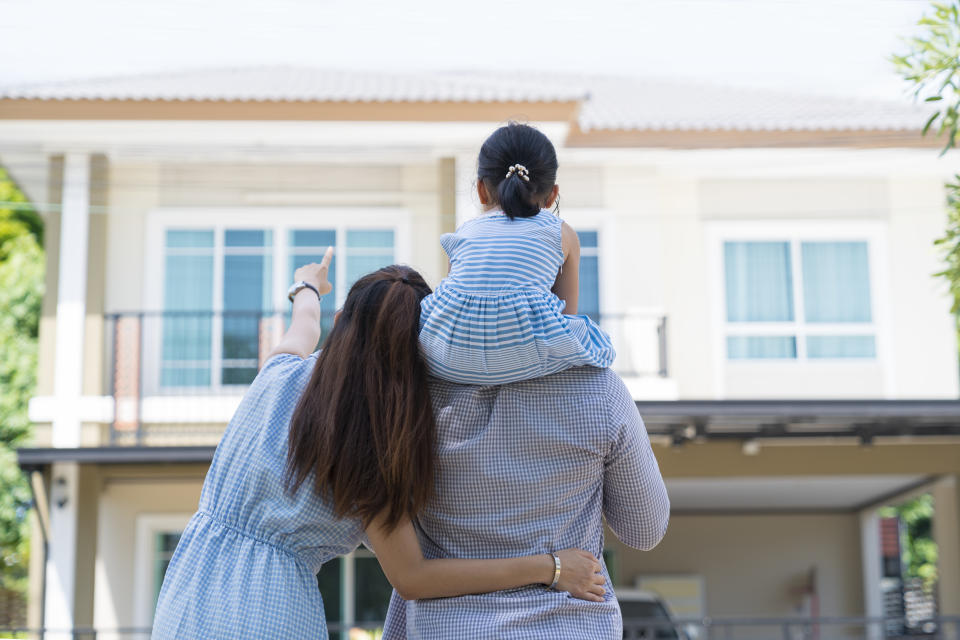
[
  {"x": 506, "y": 312},
  {"x": 325, "y": 451}
]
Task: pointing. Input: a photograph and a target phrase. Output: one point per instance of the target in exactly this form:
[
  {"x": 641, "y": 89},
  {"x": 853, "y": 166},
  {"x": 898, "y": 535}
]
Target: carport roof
[
  {"x": 681, "y": 421},
  {"x": 746, "y": 419}
]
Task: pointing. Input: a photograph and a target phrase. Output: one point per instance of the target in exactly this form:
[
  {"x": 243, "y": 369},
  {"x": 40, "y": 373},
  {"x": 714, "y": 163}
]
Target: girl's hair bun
[{"x": 518, "y": 165}]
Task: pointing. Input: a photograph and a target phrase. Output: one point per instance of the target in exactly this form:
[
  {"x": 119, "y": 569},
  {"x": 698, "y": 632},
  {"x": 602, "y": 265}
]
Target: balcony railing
[{"x": 175, "y": 377}]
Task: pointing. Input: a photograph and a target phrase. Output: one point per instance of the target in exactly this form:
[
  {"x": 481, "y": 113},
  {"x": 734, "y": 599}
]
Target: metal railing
[
  {"x": 796, "y": 628},
  {"x": 175, "y": 377},
  {"x": 793, "y": 628}
]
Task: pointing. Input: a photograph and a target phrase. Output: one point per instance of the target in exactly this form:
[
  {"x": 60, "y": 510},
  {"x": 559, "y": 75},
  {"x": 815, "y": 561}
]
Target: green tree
[
  {"x": 931, "y": 66},
  {"x": 17, "y": 216},
  {"x": 21, "y": 290},
  {"x": 920, "y": 551}
]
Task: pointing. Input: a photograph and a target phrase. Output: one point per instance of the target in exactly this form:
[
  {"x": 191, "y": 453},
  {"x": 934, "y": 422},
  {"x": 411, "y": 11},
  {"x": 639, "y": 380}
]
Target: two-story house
[{"x": 763, "y": 262}]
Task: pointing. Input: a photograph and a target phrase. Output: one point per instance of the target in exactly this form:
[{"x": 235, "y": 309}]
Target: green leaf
[
  {"x": 926, "y": 127},
  {"x": 934, "y": 99}
]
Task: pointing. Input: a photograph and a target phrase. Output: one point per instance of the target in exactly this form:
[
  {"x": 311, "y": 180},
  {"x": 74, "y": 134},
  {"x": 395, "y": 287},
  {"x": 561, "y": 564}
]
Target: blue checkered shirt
[{"x": 527, "y": 468}]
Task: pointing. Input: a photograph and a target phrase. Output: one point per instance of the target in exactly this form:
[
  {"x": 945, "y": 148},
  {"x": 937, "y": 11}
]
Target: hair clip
[{"x": 520, "y": 170}]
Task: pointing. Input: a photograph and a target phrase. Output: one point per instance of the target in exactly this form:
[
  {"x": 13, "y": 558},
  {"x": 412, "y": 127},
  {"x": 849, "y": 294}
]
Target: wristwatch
[{"x": 297, "y": 287}]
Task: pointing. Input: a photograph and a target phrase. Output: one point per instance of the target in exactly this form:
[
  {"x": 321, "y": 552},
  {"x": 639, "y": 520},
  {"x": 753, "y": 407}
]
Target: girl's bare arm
[{"x": 567, "y": 285}]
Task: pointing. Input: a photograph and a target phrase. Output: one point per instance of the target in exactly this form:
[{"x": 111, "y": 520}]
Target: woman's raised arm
[
  {"x": 303, "y": 333},
  {"x": 415, "y": 577}
]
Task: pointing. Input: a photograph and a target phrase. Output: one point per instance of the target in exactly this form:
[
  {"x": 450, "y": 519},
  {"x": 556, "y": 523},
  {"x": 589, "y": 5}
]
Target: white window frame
[
  {"x": 795, "y": 232},
  {"x": 280, "y": 221},
  {"x": 148, "y": 526}
]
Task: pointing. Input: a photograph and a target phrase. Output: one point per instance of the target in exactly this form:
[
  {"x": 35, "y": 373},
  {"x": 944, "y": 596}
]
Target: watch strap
[{"x": 300, "y": 286}]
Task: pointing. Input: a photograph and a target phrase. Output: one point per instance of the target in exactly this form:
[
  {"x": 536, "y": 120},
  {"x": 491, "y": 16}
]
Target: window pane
[
  {"x": 359, "y": 266},
  {"x": 589, "y": 303},
  {"x": 372, "y": 590},
  {"x": 247, "y": 238},
  {"x": 313, "y": 238},
  {"x": 328, "y": 581},
  {"x": 841, "y": 347},
  {"x": 836, "y": 282},
  {"x": 588, "y": 239},
  {"x": 759, "y": 281},
  {"x": 188, "y": 323},
  {"x": 761, "y": 347},
  {"x": 367, "y": 250},
  {"x": 379, "y": 238},
  {"x": 246, "y": 291},
  {"x": 164, "y": 546},
  {"x": 189, "y": 239}
]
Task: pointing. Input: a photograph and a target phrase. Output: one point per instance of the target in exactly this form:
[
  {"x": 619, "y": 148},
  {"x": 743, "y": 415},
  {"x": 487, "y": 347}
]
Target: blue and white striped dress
[{"x": 494, "y": 320}]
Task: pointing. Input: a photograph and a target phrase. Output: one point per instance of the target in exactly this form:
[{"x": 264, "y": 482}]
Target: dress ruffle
[{"x": 505, "y": 336}]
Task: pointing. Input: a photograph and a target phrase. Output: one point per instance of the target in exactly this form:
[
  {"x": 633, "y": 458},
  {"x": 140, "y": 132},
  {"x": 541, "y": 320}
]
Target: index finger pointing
[{"x": 327, "y": 257}]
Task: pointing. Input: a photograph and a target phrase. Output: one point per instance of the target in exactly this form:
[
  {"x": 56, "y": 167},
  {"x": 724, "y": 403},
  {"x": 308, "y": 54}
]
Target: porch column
[
  {"x": 946, "y": 533},
  {"x": 71, "y": 299},
  {"x": 61, "y": 563},
  {"x": 468, "y": 204},
  {"x": 870, "y": 560},
  {"x": 62, "y": 551}
]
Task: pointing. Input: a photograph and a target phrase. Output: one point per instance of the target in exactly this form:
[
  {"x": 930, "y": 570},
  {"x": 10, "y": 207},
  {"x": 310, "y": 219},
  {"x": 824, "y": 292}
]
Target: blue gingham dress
[
  {"x": 494, "y": 320},
  {"x": 531, "y": 467},
  {"x": 246, "y": 564}
]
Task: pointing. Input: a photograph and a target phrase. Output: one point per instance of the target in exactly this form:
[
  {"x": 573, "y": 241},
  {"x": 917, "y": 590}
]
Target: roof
[
  {"x": 670, "y": 105},
  {"x": 299, "y": 84},
  {"x": 607, "y": 103}
]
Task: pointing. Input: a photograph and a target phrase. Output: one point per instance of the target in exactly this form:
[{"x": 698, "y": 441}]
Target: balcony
[{"x": 175, "y": 378}]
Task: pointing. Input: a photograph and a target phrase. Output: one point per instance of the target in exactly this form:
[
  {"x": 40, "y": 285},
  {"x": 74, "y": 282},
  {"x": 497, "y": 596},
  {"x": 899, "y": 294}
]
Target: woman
[{"x": 325, "y": 451}]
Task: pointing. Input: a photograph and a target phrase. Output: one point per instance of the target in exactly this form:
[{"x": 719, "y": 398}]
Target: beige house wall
[
  {"x": 756, "y": 565},
  {"x": 925, "y": 348},
  {"x": 125, "y": 495}
]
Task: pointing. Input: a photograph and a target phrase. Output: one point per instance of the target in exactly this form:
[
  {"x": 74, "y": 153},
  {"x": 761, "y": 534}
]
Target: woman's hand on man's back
[{"x": 581, "y": 575}]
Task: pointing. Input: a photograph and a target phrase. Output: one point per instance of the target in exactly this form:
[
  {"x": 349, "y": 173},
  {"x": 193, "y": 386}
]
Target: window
[
  {"x": 354, "y": 590},
  {"x": 589, "y": 302},
  {"x": 155, "y": 540},
  {"x": 798, "y": 300},
  {"x": 219, "y": 292},
  {"x": 164, "y": 544}
]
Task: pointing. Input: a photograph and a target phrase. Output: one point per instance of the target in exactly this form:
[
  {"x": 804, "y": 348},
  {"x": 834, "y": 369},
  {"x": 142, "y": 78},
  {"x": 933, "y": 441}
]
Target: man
[{"x": 532, "y": 467}]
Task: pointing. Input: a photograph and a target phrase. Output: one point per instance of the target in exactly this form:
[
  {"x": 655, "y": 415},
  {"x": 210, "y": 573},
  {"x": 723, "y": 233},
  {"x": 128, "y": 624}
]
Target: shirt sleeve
[{"x": 635, "y": 500}]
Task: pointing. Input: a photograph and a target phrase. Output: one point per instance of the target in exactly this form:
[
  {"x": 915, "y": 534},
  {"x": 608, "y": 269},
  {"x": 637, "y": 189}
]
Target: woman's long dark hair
[{"x": 364, "y": 426}]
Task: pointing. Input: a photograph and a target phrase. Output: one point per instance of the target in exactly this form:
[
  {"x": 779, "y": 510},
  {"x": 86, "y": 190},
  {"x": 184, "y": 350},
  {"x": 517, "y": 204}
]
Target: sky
[{"x": 838, "y": 47}]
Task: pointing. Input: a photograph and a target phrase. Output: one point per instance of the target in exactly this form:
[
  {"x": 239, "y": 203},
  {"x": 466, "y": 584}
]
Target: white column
[
  {"x": 71, "y": 299},
  {"x": 468, "y": 203},
  {"x": 62, "y": 550},
  {"x": 946, "y": 533},
  {"x": 871, "y": 561}
]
